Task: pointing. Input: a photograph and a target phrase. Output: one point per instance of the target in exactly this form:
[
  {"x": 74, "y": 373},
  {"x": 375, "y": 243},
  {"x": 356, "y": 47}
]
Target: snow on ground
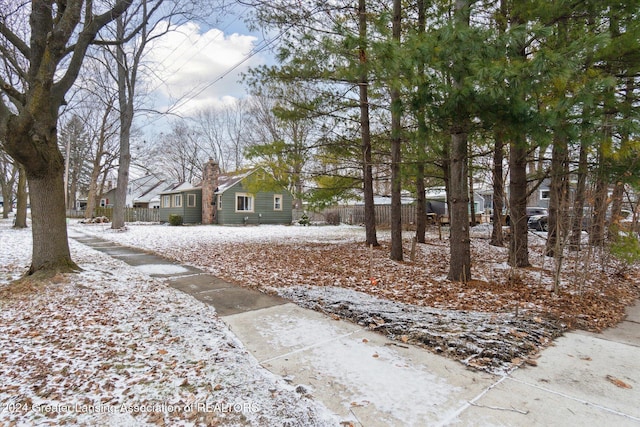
[
  {"x": 494, "y": 342},
  {"x": 517, "y": 306},
  {"x": 377, "y": 374},
  {"x": 111, "y": 346}
]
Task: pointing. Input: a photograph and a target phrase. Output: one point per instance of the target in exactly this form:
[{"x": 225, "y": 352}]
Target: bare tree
[
  {"x": 237, "y": 121},
  {"x": 209, "y": 124},
  {"x": 126, "y": 76},
  {"x": 103, "y": 151},
  {"x": 152, "y": 19},
  {"x": 282, "y": 138},
  {"x": 179, "y": 153},
  {"x": 42, "y": 61},
  {"x": 74, "y": 140},
  {"x": 223, "y": 132}
]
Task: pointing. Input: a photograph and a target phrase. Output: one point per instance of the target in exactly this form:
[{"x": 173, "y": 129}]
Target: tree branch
[
  {"x": 85, "y": 38},
  {"x": 15, "y": 40}
]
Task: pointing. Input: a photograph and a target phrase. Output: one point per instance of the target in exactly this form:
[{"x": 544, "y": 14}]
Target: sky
[{"x": 198, "y": 66}]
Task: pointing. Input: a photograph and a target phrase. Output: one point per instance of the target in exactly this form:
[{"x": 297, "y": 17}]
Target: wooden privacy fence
[
  {"x": 354, "y": 215},
  {"x": 130, "y": 214}
]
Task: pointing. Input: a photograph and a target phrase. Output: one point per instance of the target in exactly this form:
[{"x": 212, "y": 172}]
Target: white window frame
[
  {"x": 177, "y": 200},
  {"x": 191, "y": 200},
  {"x": 166, "y": 201},
  {"x": 249, "y": 198},
  {"x": 542, "y": 192},
  {"x": 277, "y": 202},
  {"x": 219, "y": 201}
]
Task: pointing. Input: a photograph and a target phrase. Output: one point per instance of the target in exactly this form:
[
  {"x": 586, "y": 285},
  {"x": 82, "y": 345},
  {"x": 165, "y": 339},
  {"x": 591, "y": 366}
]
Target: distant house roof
[
  {"x": 178, "y": 187},
  {"x": 151, "y": 192}
]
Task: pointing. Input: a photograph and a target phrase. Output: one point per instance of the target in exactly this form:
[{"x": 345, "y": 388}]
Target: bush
[
  {"x": 175, "y": 219},
  {"x": 626, "y": 248},
  {"x": 304, "y": 219},
  {"x": 333, "y": 218}
]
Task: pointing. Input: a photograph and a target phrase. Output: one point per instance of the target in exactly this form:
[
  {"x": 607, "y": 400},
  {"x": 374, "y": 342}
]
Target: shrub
[
  {"x": 333, "y": 218},
  {"x": 304, "y": 219},
  {"x": 175, "y": 219},
  {"x": 626, "y": 248}
]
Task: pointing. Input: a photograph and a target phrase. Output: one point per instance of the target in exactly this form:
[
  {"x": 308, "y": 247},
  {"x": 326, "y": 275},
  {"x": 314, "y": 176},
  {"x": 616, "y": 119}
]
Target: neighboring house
[
  {"x": 436, "y": 199},
  {"x": 229, "y": 199},
  {"x": 142, "y": 192}
]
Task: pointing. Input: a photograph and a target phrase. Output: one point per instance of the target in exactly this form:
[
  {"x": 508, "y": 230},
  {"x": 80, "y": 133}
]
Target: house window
[
  {"x": 191, "y": 200},
  {"x": 545, "y": 194},
  {"x": 277, "y": 202},
  {"x": 244, "y": 202},
  {"x": 177, "y": 201},
  {"x": 166, "y": 201},
  {"x": 219, "y": 201}
]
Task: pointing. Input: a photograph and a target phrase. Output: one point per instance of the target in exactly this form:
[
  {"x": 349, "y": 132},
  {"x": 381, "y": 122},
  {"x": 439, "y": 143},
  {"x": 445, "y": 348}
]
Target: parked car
[
  {"x": 538, "y": 222},
  {"x": 530, "y": 211},
  {"x": 541, "y": 222}
]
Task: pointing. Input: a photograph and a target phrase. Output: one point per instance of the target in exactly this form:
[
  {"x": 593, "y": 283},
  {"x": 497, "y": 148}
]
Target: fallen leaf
[{"x": 617, "y": 382}]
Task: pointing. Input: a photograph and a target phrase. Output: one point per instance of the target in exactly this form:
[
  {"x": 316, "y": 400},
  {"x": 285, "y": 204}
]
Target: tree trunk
[
  {"x": 125, "y": 100},
  {"x": 7, "y": 200},
  {"x": 421, "y": 204},
  {"x": 49, "y": 223},
  {"x": 558, "y": 194},
  {"x": 472, "y": 199},
  {"x": 7, "y": 182},
  {"x": 120, "y": 202},
  {"x": 396, "y": 155},
  {"x": 363, "y": 86},
  {"x": 93, "y": 188},
  {"x": 598, "y": 218},
  {"x": 21, "y": 196},
  {"x": 33, "y": 143},
  {"x": 421, "y": 208},
  {"x": 497, "y": 237},
  {"x": 458, "y": 192},
  {"x": 578, "y": 203},
  {"x": 460, "y": 250},
  {"x": 618, "y": 191},
  {"x": 519, "y": 244},
  {"x": 616, "y": 208}
]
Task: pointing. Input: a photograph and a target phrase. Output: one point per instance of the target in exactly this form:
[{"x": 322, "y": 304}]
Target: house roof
[
  {"x": 178, "y": 187},
  {"x": 152, "y": 192},
  {"x": 144, "y": 189},
  {"x": 227, "y": 181}
]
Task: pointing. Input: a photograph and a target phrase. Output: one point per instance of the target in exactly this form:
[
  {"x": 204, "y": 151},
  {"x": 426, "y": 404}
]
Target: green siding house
[
  {"x": 184, "y": 200},
  {"x": 247, "y": 198},
  {"x": 251, "y": 199}
]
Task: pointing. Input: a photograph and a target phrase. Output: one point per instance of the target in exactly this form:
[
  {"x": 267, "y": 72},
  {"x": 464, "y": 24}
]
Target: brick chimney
[{"x": 209, "y": 186}]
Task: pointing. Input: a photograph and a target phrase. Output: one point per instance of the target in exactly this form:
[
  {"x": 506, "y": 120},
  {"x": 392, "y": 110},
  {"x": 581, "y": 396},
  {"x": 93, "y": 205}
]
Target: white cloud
[{"x": 194, "y": 69}]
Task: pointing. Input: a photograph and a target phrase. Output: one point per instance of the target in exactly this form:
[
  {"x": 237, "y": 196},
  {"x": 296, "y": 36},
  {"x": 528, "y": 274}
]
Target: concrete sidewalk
[{"x": 371, "y": 381}]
